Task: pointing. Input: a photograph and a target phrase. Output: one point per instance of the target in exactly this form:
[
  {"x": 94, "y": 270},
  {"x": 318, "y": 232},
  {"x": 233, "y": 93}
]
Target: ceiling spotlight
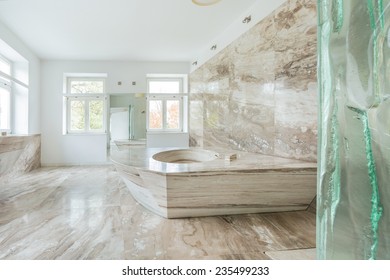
[
  {"x": 205, "y": 2},
  {"x": 247, "y": 19}
]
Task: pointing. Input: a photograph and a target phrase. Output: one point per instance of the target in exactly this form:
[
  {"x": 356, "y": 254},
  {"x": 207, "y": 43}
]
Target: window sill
[
  {"x": 85, "y": 134},
  {"x": 166, "y": 132}
]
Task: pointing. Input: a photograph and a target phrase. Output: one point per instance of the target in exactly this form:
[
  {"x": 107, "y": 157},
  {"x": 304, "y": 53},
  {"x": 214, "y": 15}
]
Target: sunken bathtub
[{"x": 176, "y": 183}]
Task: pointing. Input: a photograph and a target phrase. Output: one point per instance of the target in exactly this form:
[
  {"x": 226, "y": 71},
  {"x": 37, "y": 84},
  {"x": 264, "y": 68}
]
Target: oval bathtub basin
[{"x": 185, "y": 156}]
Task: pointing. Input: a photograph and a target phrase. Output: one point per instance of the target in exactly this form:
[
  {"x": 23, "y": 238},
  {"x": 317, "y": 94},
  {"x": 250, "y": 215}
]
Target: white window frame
[
  {"x": 87, "y": 98},
  {"x": 71, "y": 79},
  {"x": 5, "y": 83},
  {"x": 164, "y": 97},
  {"x": 3, "y": 59}
]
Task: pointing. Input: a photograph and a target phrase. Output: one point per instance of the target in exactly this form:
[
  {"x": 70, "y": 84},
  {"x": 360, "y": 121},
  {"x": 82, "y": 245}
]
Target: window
[
  {"x": 86, "y": 104},
  {"x": 165, "y": 104},
  {"x": 5, "y": 66},
  {"x": 5, "y": 95},
  {"x": 5, "y": 106}
]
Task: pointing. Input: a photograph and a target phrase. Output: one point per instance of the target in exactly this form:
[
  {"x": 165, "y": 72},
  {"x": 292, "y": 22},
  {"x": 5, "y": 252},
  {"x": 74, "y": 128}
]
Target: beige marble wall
[
  {"x": 19, "y": 154},
  {"x": 259, "y": 94}
]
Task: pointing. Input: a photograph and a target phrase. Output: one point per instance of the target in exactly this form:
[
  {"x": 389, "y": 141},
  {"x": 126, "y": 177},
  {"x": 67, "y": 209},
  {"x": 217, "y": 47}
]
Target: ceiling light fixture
[
  {"x": 205, "y": 2},
  {"x": 247, "y": 19}
]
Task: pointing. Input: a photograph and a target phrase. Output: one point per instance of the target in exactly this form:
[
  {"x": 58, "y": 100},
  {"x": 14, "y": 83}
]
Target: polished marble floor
[{"x": 87, "y": 213}]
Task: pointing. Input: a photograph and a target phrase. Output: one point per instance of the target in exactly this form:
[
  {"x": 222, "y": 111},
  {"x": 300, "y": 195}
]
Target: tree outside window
[
  {"x": 86, "y": 102},
  {"x": 165, "y": 104}
]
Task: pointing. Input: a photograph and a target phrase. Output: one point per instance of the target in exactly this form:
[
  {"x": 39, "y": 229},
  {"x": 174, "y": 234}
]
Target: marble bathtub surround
[
  {"x": 130, "y": 142},
  {"x": 259, "y": 94},
  {"x": 19, "y": 154},
  {"x": 76, "y": 213},
  {"x": 250, "y": 183}
]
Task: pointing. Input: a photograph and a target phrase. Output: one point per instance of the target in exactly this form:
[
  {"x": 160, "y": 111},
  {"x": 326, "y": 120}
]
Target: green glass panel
[{"x": 354, "y": 140}]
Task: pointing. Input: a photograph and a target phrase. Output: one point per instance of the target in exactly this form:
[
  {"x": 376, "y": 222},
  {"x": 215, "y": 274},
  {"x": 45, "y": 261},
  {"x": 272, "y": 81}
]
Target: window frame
[
  {"x": 87, "y": 98},
  {"x": 164, "y": 97},
  {"x": 71, "y": 79},
  {"x": 165, "y": 79},
  {"x": 6, "y": 84},
  {"x": 6, "y": 61}
]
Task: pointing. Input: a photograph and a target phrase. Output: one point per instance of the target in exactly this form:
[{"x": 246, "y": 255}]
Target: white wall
[
  {"x": 119, "y": 125},
  {"x": 167, "y": 140},
  {"x": 59, "y": 149},
  {"x": 28, "y": 121}
]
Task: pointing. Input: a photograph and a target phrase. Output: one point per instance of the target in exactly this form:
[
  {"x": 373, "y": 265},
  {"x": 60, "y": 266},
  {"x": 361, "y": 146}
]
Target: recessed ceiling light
[{"x": 205, "y": 2}]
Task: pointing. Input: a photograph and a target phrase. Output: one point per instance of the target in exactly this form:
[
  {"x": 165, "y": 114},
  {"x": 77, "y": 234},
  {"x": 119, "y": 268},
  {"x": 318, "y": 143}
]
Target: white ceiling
[{"x": 142, "y": 30}]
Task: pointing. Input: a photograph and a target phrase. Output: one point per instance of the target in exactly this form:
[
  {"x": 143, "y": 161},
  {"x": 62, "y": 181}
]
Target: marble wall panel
[
  {"x": 259, "y": 94},
  {"x": 295, "y": 123},
  {"x": 197, "y": 85},
  {"x": 217, "y": 78},
  {"x": 259, "y": 39},
  {"x": 196, "y": 113},
  {"x": 295, "y": 81},
  {"x": 252, "y": 128},
  {"x": 217, "y": 129}
]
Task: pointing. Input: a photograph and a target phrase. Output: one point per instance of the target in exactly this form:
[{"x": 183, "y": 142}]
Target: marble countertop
[
  {"x": 18, "y": 135},
  {"x": 140, "y": 157}
]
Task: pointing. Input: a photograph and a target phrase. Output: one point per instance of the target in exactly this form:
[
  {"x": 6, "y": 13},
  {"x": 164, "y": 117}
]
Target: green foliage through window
[{"x": 86, "y": 105}]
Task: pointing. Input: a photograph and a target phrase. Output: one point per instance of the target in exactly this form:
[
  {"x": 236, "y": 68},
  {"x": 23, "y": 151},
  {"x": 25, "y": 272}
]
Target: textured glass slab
[{"x": 354, "y": 142}]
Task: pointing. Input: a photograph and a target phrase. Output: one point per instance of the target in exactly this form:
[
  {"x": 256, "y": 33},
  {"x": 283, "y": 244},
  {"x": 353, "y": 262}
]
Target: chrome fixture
[
  {"x": 195, "y": 63},
  {"x": 213, "y": 47}
]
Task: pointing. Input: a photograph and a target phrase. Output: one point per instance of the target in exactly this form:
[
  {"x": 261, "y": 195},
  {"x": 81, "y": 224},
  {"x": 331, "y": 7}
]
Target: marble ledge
[
  {"x": 142, "y": 158},
  {"x": 19, "y": 154},
  {"x": 12, "y": 142}
]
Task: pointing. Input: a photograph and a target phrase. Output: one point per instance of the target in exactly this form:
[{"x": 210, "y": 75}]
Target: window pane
[
  {"x": 155, "y": 114},
  {"x": 79, "y": 86},
  {"x": 96, "y": 114},
  {"x": 5, "y": 67},
  {"x": 77, "y": 115},
  {"x": 4, "y": 108},
  {"x": 164, "y": 87},
  {"x": 173, "y": 114}
]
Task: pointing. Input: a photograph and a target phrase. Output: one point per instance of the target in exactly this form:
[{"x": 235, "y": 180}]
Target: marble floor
[{"x": 87, "y": 213}]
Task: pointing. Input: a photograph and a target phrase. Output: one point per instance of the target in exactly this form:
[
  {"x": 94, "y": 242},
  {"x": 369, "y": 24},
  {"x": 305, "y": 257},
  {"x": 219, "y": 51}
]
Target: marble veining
[
  {"x": 76, "y": 213},
  {"x": 19, "y": 154},
  {"x": 176, "y": 183},
  {"x": 259, "y": 94}
]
